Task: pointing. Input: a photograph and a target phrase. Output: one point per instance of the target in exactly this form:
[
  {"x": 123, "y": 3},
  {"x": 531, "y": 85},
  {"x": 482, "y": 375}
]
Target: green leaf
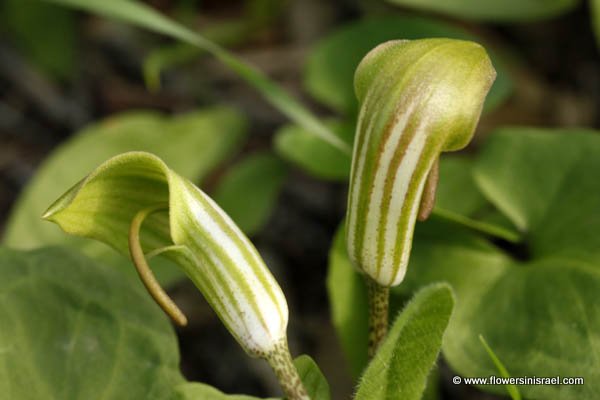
[
  {"x": 249, "y": 190},
  {"x": 545, "y": 160},
  {"x": 512, "y": 390},
  {"x": 432, "y": 389},
  {"x": 258, "y": 15},
  {"x": 315, "y": 383},
  {"x": 458, "y": 199},
  {"x": 193, "y": 144},
  {"x": 492, "y": 10},
  {"x": 200, "y": 391},
  {"x": 401, "y": 366},
  {"x": 348, "y": 302},
  {"x": 75, "y": 329},
  {"x": 532, "y": 329},
  {"x": 138, "y": 14},
  {"x": 330, "y": 70},
  {"x": 535, "y": 303},
  {"x": 49, "y": 47},
  {"x": 318, "y": 158},
  {"x": 456, "y": 190}
]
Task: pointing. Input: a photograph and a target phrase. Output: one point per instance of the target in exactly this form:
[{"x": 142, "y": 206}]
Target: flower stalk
[
  {"x": 282, "y": 364},
  {"x": 378, "y": 297}
]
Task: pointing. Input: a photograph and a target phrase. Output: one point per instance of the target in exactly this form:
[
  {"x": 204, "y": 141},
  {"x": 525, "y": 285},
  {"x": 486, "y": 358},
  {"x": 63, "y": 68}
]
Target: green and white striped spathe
[
  {"x": 417, "y": 99},
  {"x": 195, "y": 233}
]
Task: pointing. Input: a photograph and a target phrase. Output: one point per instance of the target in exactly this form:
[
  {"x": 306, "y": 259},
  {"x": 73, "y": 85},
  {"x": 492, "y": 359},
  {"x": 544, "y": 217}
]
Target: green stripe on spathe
[
  {"x": 240, "y": 288},
  {"x": 432, "y": 89}
]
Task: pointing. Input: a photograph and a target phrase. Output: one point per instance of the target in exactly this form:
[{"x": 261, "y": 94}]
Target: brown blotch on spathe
[{"x": 428, "y": 196}]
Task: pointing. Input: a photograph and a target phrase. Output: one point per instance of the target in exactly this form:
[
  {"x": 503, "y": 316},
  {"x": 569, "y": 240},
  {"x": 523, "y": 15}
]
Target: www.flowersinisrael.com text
[{"x": 519, "y": 380}]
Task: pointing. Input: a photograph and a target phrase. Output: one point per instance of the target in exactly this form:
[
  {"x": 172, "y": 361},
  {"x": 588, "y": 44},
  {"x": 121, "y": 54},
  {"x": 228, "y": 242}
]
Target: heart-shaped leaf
[
  {"x": 71, "y": 329},
  {"x": 193, "y": 144},
  {"x": 403, "y": 362},
  {"x": 554, "y": 197},
  {"x": 534, "y": 303}
]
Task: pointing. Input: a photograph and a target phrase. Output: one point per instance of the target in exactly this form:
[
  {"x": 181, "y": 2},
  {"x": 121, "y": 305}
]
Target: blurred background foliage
[{"x": 76, "y": 89}]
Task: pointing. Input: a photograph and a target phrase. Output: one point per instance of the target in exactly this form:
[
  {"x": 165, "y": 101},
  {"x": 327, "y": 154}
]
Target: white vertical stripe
[
  {"x": 256, "y": 259},
  {"x": 255, "y": 335},
  {"x": 382, "y": 171},
  {"x": 356, "y": 180},
  {"x": 398, "y": 194}
]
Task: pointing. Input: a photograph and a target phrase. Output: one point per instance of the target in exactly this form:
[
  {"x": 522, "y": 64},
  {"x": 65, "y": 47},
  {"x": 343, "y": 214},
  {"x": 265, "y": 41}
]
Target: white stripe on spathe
[
  {"x": 259, "y": 270},
  {"x": 381, "y": 172},
  {"x": 203, "y": 241},
  {"x": 256, "y": 258},
  {"x": 356, "y": 178},
  {"x": 398, "y": 195},
  {"x": 248, "y": 328},
  {"x": 373, "y": 100},
  {"x": 226, "y": 307},
  {"x": 439, "y": 82}
]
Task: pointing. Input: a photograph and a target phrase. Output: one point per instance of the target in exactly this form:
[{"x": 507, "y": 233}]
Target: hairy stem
[
  {"x": 379, "y": 301},
  {"x": 280, "y": 360}
]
